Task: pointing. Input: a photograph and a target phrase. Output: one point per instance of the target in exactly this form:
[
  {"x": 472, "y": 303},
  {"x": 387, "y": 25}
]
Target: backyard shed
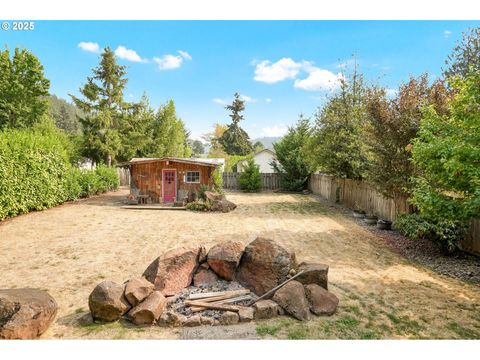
[{"x": 168, "y": 179}]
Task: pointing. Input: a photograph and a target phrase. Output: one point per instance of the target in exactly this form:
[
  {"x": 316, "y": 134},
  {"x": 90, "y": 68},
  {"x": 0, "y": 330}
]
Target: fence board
[
  {"x": 358, "y": 194},
  {"x": 124, "y": 176},
  {"x": 270, "y": 181}
]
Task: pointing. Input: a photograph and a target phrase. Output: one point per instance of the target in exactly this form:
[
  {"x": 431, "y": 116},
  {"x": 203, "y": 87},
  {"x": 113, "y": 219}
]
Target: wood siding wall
[
  {"x": 270, "y": 181},
  {"x": 360, "y": 194},
  {"x": 146, "y": 178}
]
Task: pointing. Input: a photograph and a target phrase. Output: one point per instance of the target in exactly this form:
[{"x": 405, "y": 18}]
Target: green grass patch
[
  {"x": 272, "y": 330},
  {"x": 463, "y": 332},
  {"x": 403, "y": 325},
  {"x": 298, "y": 333}
]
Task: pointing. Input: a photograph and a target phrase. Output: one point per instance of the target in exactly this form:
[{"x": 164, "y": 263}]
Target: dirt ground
[{"x": 69, "y": 249}]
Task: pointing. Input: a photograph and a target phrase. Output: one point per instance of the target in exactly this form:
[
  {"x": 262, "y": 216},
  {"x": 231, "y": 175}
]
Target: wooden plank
[
  {"x": 225, "y": 301},
  {"x": 206, "y": 305},
  {"x": 215, "y": 295}
]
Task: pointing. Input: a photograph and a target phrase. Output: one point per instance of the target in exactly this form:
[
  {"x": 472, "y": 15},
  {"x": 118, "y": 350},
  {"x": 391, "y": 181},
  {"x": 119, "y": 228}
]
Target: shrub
[
  {"x": 217, "y": 181},
  {"x": 201, "y": 192},
  {"x": 250, "y": 180},
  {"x": 199, "y": 205},
  {"x": 447, "y": 233},
  {"x": 36, "y": 174}
]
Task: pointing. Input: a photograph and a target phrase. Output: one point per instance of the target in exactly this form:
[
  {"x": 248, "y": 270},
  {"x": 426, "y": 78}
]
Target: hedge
[{"x": 35, "y": 173}]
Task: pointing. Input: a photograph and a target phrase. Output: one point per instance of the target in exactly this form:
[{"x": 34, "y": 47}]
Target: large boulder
[
  {"x": 173, "y": 270},
  {"x": 322, "y": 302},
  {"x": 137, "y": 289},
  {"x": 107, "y": 302},
  {"x": 291, "y": 297},
  {"x": 264, "y": 265},
  {"x": 214, "y": 196},
  {"x": 204, "y": 277},
  {"x": 25, "y": 313},
  {"x": 313, "y": 273},
  {"x": 149, "y": 310},
  {"x": 223, "y": 205},
  {"x": 228, "y": 318},
  {"x": 224, "y": 258}
]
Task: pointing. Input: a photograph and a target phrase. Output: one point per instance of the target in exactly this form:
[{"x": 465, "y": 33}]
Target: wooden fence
[
  {"x": 358, "y": 194},
  {"x": 124, "y": 176},
  {"x": 270, "y": 181}
]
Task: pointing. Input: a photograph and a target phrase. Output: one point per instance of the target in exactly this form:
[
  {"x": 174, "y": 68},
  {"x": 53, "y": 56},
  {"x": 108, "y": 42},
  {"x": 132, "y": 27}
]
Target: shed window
[{"x": 192, "y": 177}]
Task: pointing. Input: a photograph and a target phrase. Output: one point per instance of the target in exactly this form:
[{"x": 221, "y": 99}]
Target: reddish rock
[
  {"x": 264, "y": 265},
  {"x": 204, "y": 278},
  {"x": 25, "y": 313},
  {"x": 246, "y": 314},
  {"x": 223, "y": 206},
  {"x": 149, "y": 310},
  {"x": 266, "y": 309},
  {"x": 228, "y": 318},
  {"x": 137, "y": 289},
  {"x": 291, "y": 297},
  {"x": 107, "y": 301},
  {"x": 224, "y": 258},
  {"x": 314, "y": 273},
  {"x": 322, "y": 302},
  {"x": 173, "y": 271}
]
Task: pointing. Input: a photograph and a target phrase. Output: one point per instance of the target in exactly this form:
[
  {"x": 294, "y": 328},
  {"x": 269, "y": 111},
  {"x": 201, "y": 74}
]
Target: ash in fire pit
[{"x": 188, "y": 287}]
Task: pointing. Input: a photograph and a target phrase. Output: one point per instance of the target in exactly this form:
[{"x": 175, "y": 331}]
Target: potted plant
[
  {"x": 383, "y": 224},
  {"x": 371, "y": 219},
  {"x": 358, "y": 212}
]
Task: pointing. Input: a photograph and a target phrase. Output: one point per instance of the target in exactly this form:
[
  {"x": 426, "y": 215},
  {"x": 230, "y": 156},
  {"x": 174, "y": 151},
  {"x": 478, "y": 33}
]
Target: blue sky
[{"x": 282, "y": 68}]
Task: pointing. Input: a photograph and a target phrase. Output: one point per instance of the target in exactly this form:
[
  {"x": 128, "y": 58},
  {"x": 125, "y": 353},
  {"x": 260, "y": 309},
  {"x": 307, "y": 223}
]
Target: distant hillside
[
  {"x": 267, "y": 141},
  {"x": 64, "y": 114}
]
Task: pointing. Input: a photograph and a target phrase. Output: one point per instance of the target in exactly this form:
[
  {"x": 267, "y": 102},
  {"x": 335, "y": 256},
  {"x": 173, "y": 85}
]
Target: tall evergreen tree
[
  {"x": 235, "y": 140},
  {"x": 103, "y": 107},
  {"x": 23, "y": 89}
]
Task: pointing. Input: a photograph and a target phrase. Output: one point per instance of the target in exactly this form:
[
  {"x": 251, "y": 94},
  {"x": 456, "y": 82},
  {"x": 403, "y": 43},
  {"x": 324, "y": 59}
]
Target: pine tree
[
  {"x": 235, "y": 140},
  {"x": 23, "y": 89},
  {"x": 103, "y": 107}
]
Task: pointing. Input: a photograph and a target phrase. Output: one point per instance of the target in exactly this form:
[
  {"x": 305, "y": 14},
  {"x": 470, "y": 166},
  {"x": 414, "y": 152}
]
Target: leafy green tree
[
  {"x": 392, "y": 126},
  {"x": 234, "y": 139},
  {"x": 197, "y": 147},
  {"x": 136, "y": 130},
  {"x": 447, "y": 152},
  {"x": 103, "y": 107},
  {"x": 65, "y": 115},
  {"x": 170, "y": 137},
  {"x": 23, "y": 89},
  {"x": 465, "y": 57},
  {"x": 337, "y": 146},
  {"x": 250, "y": 179},
  {"x": 258, "y": 146},
  {"x": 291, "y": 161}
]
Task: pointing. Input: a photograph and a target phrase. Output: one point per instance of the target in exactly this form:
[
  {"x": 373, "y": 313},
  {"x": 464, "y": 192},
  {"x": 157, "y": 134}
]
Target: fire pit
[{"x": 230, "y": 284}]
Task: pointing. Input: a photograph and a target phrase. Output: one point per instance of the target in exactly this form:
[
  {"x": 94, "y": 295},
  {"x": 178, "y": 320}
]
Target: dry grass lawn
[{"x": 69, "y": 249}]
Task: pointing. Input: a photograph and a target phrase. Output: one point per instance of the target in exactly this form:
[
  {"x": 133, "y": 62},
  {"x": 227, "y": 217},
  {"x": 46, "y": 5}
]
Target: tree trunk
[{"x": 108, "y": 160}]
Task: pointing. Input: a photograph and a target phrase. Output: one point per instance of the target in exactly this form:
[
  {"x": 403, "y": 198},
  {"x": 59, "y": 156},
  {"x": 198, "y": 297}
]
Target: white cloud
[
  {"x": 128, "y": 54},
  {"x": 219, "y": 101},
  {"x": 248, "y": 99},
  {"x": 274, "y": 130},
  {"x": 447, "y": 33},
  {"x": 89, "y": 46},
  {"x": 285, "y": 68},
  {"x": 185, "y": 54},
  {"x": 268, "y": 100},
  {"x": 169, "y": 62},
  {"x": 319, "y": 80}
]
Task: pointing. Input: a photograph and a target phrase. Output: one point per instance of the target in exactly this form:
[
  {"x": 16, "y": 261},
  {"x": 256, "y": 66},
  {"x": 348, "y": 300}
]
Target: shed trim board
[{"x": 163, "y": 184}]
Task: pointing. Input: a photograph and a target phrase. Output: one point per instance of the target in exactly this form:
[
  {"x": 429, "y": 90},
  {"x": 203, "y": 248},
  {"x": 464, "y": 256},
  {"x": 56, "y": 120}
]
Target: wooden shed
[{"x": 168, "y": 179}]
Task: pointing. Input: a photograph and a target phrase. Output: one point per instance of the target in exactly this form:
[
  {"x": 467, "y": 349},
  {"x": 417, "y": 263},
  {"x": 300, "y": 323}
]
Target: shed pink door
[{"x": 169, "y": 185}]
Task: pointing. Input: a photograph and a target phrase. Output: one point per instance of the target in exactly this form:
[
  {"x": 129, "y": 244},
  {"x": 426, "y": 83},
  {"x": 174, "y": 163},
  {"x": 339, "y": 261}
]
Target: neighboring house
[
  {"x": 168, "y": 179},
  {"x": 216, "y": 161},
  {"x": 263, "y": 159}
]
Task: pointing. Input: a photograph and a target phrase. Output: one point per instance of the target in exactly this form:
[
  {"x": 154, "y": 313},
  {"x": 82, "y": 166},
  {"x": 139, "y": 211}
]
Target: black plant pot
[
  {"x": 384, "y": 225},
  {"x": 370, "y": 220}
]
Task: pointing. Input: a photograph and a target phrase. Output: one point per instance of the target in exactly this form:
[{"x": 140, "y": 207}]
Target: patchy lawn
[{"x": 69, "y": 249}]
